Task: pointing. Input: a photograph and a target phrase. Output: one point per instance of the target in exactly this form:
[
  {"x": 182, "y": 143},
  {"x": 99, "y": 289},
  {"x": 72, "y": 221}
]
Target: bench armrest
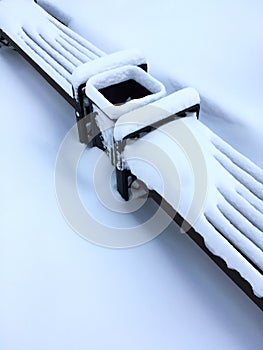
[
  {"x": 147, "y": 118},
  {"x": 118, "y": 59}
]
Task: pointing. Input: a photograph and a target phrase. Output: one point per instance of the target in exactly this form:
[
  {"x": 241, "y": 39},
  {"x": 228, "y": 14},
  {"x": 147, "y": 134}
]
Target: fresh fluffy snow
[
  {"x": 118, "y": 59},
  {"x": 155, "y": 112},
  {"x": 55, "y": 11},
  {"x": 213, "y": 46},
  {"x": 64, "y": 64},
  {"x": 58, "y": 291},
  {"x": 118, "y": 75},
  {"x": 223, "y": 175},
  {"x": 54, "y": 47}
]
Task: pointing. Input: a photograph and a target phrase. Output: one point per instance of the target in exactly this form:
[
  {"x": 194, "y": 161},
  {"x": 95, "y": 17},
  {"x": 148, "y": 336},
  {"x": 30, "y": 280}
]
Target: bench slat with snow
[
  {"x": 230, "y": 218},
  {"x": 229, "y": 224},
  {"x": 64, "y": 58}
]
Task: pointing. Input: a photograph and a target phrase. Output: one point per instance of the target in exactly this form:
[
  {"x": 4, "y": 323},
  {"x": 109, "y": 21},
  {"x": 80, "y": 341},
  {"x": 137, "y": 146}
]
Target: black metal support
[
  {"x": 88, "y": 130},
  {"x": 116, "y": 94},
  {"x": 4, "y": 41},
  {"x": 123, "y": 177},
  {"x": 82, "y": 112},
  {"x": 143, "y": 66},
  {"x": 97, "y": 141},
  {"x": 154, "y": 126}
]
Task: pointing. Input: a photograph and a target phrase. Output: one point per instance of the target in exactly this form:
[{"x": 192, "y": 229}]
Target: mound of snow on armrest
[
  {"x": 118, "y": 59},
  {"x": 155, "y": 112},
  {"x": 120, "y": 75}
]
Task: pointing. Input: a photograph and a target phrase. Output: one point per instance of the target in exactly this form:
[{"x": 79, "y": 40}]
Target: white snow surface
[
  {"x": 216, "y": 47},
  {"x": 232, "y": 190},
  {"x": 117, "y": 59},
  {"x": 55, "y": 11},
  {"x": 54, "y": 47},
  {"x": 58, "y": 291},
  {"x": 155, "y": 112}
]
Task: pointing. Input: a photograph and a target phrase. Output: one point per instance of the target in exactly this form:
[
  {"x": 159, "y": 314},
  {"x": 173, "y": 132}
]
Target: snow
[
  {"x": 59, "y": 291},
  {"x": 190, "y": 152},
  {"x": 54, "y": 47},
  {"x": 55, "y": 11},
  {"x": 106, "y": 112},
  {"x": 155, "y": 112},
  {"x": 118, "y": 59},
  {"x": 214, "y": 47},
  {"x": 91, "y": 50},
  {"x": 119, "y": 75}
]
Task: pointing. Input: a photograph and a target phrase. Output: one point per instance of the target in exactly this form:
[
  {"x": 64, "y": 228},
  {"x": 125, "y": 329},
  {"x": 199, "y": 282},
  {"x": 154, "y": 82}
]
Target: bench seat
[
  {"x": 214, "y": 188},
  {"x": 54, "y": 47}
]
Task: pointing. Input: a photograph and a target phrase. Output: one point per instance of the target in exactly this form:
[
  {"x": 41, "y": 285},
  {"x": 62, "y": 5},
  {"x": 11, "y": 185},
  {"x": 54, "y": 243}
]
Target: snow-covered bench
[
  {"x": 122, "y": 109},
  {"x": 64, "y": 58},
  {"x": 220, "y": 199},
  {"x": 213, "y": 192}
]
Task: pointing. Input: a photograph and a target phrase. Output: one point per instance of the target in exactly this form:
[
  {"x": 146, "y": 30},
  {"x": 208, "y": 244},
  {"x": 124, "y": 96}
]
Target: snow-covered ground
[
  {"x": 59, "y": 291},
  {"x": 214, "y": 46}
]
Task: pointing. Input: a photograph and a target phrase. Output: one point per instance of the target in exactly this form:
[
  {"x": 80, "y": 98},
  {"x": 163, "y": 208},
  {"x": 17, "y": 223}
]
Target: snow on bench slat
[
  {"x": 235, "y": 238},
  {"x": 41, "y": 52},
  {"x": 42, "y": 45},
  {"x": 241, "y": 161},
  {"x": 54, "y": 47},
  {"x": 250, "y": 198},
  {"x": 75, "y": 43},
  {"x": 246, "y": 230},
  {"x": 221, "y": 247},
  {"x": 231, "y": 217},
  {"x": 72, "y": 50},
  {"x": 78, "y": 39},
  {"x": 241, "y": 175},
  {"x": 60, "y": 49},
  {"x": 57, "y": 49},
  {"x": 79, "y": 50},
  {"x": 241, "y": 205},
  {"x": 53, "y": 68}
]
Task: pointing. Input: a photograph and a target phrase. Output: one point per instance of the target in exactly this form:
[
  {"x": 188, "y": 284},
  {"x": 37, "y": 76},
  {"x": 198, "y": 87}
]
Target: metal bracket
[
  {"x": 116, "y": 154},
  {"x": 4, "y": 41}
]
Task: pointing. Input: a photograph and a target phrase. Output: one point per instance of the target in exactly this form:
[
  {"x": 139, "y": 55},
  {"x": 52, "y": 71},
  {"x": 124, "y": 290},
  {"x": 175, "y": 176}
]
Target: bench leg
[
  {"x": 82, "y": 111},
  {"x": 3, "y": 41},
  {"x": 124, "y": 179},
  {"x": 82, "y": 127}
]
